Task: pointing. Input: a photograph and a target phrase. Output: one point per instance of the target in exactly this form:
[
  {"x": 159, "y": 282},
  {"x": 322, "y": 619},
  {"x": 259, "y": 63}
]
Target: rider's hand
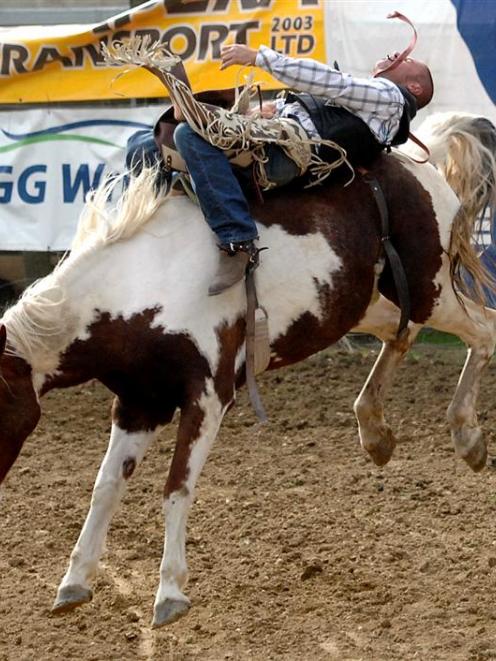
[
  {"x": 178, "y": 113},
  {"x": 237, "y": 54},
  {"x": 267, "y": 111}
]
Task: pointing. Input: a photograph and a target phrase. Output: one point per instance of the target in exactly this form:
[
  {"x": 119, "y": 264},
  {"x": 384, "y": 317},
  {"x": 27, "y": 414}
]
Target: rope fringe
[{"x": 228, "y": 129}]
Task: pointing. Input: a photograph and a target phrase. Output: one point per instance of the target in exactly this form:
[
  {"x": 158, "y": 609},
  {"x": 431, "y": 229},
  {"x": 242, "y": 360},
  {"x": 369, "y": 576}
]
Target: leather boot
[{"x": 233, "y": 261}]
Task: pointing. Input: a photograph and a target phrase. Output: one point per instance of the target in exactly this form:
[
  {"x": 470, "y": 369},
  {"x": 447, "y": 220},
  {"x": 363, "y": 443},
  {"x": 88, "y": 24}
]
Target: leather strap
[
  {"x": 404, "y": 54},
  {"x": 418, "y": 142},
  {"x": 251, "y": 306},
  {"x": 399, "y": 275}
]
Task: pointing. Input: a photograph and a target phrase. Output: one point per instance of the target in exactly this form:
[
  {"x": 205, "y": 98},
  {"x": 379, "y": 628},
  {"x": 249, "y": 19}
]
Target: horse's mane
[
  {"x": 42, "y": 322},
  {"x": 39, "y": 322},
  {"x": 100, "y": 225}
]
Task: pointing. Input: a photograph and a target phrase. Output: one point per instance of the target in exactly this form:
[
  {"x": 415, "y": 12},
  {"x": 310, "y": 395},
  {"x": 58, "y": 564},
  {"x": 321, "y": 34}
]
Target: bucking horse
[{"x": 129, "y": 307}]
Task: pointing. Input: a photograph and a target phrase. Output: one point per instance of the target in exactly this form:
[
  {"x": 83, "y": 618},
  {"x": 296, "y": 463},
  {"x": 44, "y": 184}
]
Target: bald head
[
  {"x": 424, "y": 80},
  {"x": 412, "y": 74}
]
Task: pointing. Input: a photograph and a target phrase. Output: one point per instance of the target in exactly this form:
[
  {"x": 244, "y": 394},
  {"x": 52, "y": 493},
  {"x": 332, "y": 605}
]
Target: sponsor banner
[
  {"x": 50, "y": 157},
  {"x": 63, "y": 63},
  {"x": 49, "y": 160}
]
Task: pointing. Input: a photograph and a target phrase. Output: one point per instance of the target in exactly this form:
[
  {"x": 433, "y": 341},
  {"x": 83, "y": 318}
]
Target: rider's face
[{"x": 406, "y": 70}]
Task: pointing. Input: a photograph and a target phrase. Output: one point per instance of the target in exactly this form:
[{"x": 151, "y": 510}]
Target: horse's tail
[
  {"x": 463, "y": 148},
  {"x": 112, "y": 214}
]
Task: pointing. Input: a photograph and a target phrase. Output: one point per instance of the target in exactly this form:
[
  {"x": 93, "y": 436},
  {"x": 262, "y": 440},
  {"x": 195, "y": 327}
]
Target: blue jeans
[
  {"x": 221, "y": 198},
  {"x": 142, "y": 150},
  {"x": 488, "y": 259}
]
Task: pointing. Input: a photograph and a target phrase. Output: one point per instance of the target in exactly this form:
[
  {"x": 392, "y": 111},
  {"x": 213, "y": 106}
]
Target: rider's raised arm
[
  {"x": 314, "y": 77},
  {"x": 377, "y": 101}
]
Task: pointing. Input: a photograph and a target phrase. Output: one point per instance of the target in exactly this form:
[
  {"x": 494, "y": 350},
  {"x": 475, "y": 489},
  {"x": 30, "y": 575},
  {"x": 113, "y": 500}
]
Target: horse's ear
[{"x": 3, "y": 338}]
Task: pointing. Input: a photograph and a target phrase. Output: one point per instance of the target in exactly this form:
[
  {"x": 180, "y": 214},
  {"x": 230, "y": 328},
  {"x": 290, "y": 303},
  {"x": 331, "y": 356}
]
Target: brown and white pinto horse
[{"x": 130, "y": 307}]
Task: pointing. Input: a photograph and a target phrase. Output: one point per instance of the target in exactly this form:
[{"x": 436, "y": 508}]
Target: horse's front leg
[
  {"x": 125, "y": 452},
  {"x": 198, "y": 427},
  {"x": 376, "y": 436}
]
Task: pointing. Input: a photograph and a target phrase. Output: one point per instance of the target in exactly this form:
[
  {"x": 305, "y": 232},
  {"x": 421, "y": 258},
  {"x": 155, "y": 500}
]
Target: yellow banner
[{"x": 63, "y": 63}]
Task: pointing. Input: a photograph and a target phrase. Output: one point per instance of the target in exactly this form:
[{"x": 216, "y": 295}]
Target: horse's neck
[
  {"x": 47, "y": 319},
  {"x": 115, "y": 281}
]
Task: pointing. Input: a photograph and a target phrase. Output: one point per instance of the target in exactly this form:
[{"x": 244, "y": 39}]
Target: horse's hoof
[
  {"x": 381, "y": 455},
  {"x": 381, "y": 451},
  {"x": 471, "y": 447},
  {"x": 169, "y": 611},
  {"x": 476, "y": 457},
  {"x": 70, "y": 597}
]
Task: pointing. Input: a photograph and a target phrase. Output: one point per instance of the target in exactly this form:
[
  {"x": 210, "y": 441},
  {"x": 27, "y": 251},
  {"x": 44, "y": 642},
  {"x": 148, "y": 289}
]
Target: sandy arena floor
[{"x": 299, "y": 548}]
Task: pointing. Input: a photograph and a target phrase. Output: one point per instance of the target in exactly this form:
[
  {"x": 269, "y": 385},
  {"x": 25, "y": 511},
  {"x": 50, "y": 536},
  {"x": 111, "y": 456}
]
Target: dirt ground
[{"x": 299, "y": 548}]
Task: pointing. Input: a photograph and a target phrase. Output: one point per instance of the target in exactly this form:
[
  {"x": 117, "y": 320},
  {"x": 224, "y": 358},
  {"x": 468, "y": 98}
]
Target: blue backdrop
[{"x": 476, "y": 21}]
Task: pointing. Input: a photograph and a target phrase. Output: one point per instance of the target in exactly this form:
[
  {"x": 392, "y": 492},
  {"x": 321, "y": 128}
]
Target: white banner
[
  {"x": 358, "y": 34},
  {"x": 49, "y": 160}
]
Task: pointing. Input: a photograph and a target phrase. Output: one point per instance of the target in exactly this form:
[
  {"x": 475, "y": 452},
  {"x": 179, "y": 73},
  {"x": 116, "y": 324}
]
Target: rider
[{"x": 385, "y": 103}]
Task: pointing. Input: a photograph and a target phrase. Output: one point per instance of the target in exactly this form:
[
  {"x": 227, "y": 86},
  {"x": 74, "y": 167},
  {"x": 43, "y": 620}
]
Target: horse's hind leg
[
  {"x": 376, "y": 436},
  {"x": 198, "y": 427},
  {"x": 477, "y": 327},
  {"x": 125, "y": 452},
  {"x": 462, "y": 415}
]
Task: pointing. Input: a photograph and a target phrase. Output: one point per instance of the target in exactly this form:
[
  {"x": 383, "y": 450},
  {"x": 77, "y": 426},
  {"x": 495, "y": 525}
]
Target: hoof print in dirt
[{"x": 310, "y": 571}]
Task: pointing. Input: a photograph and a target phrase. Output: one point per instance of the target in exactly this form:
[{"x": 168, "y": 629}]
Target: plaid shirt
[{"x": 377, "y": 101}]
